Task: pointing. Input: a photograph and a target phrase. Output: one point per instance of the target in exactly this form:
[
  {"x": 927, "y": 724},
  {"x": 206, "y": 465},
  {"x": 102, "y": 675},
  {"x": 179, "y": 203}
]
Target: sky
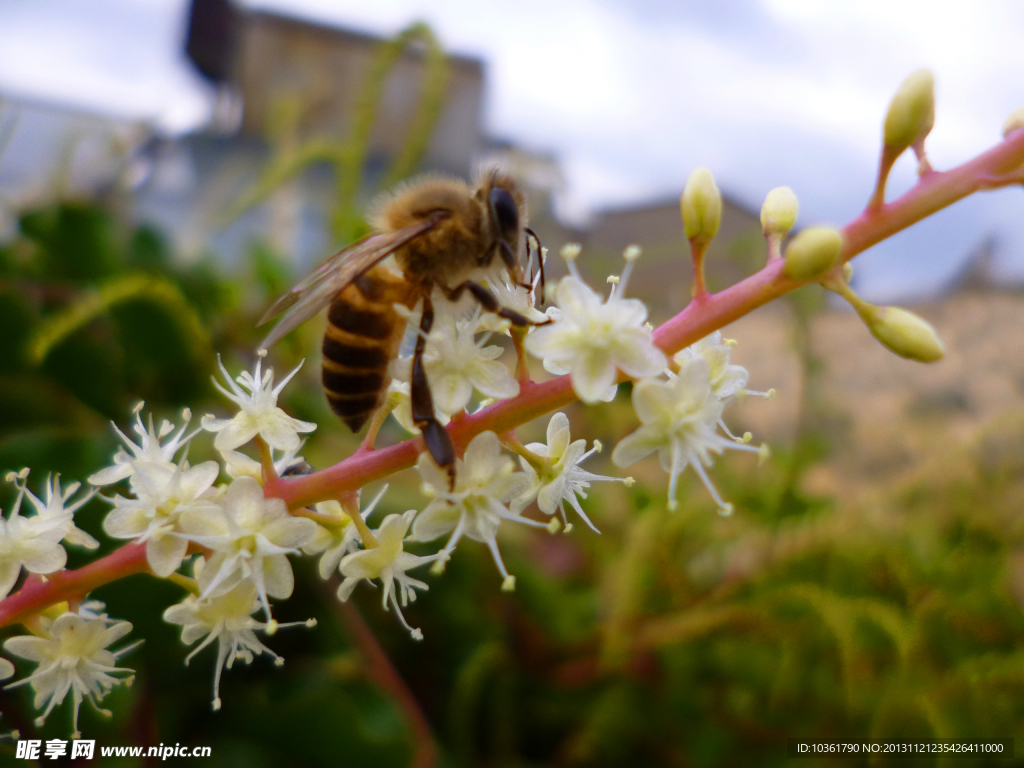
[{"x": 632, "y": 95}]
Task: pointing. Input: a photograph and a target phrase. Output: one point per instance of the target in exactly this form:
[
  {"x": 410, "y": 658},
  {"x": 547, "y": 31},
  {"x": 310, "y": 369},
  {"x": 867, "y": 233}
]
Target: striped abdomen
[{"x": 362, "y": 337}]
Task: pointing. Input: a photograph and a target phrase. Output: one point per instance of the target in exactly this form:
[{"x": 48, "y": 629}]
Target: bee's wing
[{"x": 318, "y": 288}]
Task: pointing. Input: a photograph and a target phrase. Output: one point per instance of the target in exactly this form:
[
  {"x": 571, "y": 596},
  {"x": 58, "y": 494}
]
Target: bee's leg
[
  {"x": 540, "y": 259},
  {"x": 488, "y": 302},
  {"x": 436, "y": 437}
]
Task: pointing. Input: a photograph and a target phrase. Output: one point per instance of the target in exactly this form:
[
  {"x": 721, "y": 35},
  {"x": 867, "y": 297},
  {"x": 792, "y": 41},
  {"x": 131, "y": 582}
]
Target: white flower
[
  {"x": 227, "y": 619},
  {"x": 6, "y": 669},
  {"x": 456, "y": 363},
  {"x": 340, "y": 537},
  {"x": 259, "y": 414},
  {"x": 680, "y": 419},
  {"x": 561, "y": 480},
  {"x": 389, "y": 563},
  {"x": 34, "y": 543},
  {"x": 726, "y": 379},
  {"x": 54, "y": 508},
  {"x": 484, "y": 484},
  {"x": 592, "y": 338},
  {"x": 31, "y": 543},
  {"x": 250, "y": 537},
  {"x": 148, "y": 451},
  {"x": 560, "y": 368},
  {"x": 72, "y": 656},
  {"x": 165, "y": 493}
]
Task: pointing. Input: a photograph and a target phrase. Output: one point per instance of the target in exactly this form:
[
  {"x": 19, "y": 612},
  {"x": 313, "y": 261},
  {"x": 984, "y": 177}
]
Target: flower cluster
[
  {"x": 174, "y": 508},
  {"x": 242, "y": 536},
  {"x": 226, "y": 618},
  {"x": 457, "y": 363},
  {"x": 70, "y": 649},
  {"x": 593, "y": 339},
  {"x": 681, "y": 413}
]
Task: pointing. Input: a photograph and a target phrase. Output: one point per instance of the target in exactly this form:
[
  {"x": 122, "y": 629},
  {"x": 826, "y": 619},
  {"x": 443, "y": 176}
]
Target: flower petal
[
  {"x": 278, "y": 578},
  {"x": 558, "y": 435},
  {"x": 39, "y": 556},
  {"x": 30, "y": 647},
  {"x": 637, "y": 446},
  {"x": 436, "y": 520},
  {"x": 165, "y": 553},
  {"x": 635, "y": 353},
  {"x": 592, "y": 374},
  {"x": 239, "y": 431}
]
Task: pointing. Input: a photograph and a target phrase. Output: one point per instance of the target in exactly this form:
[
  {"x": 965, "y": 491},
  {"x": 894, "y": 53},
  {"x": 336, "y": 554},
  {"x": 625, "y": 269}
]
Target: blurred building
[{"x": 260, "y": 60}]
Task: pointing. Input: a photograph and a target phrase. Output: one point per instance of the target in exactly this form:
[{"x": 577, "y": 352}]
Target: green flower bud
[
  {"x": 812, "y": 253},
  {"x": 701, "y": 205},
  {"x": 1014, "y": 122},
  {"x": 778, "y": 214},
  {"x": 906, "y": 334},
  {"x": 912, "y": 112}
]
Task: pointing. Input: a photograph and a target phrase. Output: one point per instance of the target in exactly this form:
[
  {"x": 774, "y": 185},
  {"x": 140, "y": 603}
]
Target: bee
[{"x": 444, "y": 235}]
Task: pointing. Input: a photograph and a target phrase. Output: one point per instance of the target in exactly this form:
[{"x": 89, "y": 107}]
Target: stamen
[
  {"x": 417, "y": 634},
  {"x": 570, "y": 252},
  {"x": 724, "y": 508},
  {"x": 673, "y": 505},
  {"x": 492, "y": 544},
  {"x": 746, "y": 438}
]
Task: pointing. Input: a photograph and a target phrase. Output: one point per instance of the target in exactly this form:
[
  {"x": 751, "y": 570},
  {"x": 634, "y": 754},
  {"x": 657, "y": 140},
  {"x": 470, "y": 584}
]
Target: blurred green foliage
[{"x": 96, "y": 316}]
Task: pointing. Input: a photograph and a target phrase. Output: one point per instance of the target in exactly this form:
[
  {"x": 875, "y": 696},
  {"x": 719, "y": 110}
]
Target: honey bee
[{"x": 443, "y": 234}]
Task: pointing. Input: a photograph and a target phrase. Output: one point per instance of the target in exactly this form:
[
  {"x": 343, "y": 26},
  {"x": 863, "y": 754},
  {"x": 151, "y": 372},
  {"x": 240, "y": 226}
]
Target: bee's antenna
[{"x": 530, "y": 234}]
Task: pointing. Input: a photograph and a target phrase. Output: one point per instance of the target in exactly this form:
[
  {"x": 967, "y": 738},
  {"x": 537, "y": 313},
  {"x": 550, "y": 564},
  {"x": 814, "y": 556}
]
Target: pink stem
[{"x": 36, "y": 594}]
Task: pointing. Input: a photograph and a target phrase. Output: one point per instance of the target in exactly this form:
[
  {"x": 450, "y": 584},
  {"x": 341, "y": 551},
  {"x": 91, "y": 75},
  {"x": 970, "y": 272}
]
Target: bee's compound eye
[{"x": 505, "y": 210}]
